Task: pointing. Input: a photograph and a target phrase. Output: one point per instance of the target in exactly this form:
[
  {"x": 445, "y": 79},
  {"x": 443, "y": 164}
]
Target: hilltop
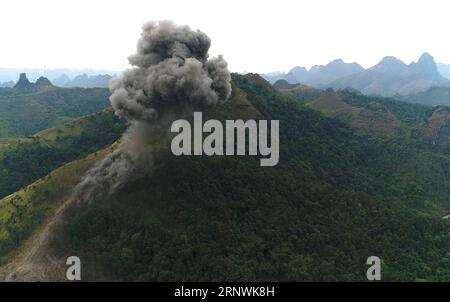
[{"x": 301, "y": 92}]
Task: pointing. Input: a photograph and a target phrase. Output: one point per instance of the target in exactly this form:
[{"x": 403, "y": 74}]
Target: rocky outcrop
[{"x": 23, "y": 82}]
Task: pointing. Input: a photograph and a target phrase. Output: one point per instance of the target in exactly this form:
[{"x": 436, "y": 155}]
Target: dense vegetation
[
  {"x": 25, "y": 160},
  {"x": 26, "y": 210},
  {"x": 409, "y": 113},
  {"x": 23, "y": 113},
  {"x": 336, "y": 198}
]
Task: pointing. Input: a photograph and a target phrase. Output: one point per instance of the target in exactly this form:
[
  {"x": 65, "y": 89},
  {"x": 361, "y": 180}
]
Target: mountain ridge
[{"x": 389, "y": 77}]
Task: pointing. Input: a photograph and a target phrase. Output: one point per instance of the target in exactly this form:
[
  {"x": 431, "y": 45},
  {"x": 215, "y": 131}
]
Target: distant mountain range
[
  {"x": 389, "y": 77},
  {"x": 83, "y": 78},
  {"x": 12, "y": 74},
  {"x": 84, "y": 81},
  {"x": 320, "y": 75},
  {"x": 81, "y": 81}
]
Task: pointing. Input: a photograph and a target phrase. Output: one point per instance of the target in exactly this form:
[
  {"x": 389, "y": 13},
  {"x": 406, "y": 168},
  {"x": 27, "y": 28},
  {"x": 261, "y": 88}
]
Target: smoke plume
[{"x": 171, "y": 77}]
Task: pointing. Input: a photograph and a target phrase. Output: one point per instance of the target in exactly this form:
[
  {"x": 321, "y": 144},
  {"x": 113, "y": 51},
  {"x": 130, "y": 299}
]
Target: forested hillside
[
  {"x": 24, "y": 160},
  {"x": 335, "y": 198},
  {"x": 24, "y": 112},
  {"x": 338, "y": 196}
]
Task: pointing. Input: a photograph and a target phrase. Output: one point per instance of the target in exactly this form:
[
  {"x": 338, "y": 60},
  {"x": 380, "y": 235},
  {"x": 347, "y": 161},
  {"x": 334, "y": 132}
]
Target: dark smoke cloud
[
  {"x": 171, "y": 70},
  {"x": 171, "y": 76}
]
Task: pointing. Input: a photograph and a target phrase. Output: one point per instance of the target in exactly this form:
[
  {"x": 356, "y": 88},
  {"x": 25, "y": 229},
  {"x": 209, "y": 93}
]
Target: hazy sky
[{"x": 253, "y": 35}]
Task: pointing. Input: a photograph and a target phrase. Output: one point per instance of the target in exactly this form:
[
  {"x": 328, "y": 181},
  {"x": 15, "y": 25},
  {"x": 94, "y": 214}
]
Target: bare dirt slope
[{"x": 36, "y": 261}]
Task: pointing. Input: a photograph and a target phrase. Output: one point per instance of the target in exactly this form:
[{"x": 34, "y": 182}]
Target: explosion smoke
[{"x": 172, "y": 76}]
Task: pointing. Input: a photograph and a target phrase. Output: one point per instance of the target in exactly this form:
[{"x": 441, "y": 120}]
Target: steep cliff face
[{"x": 23, "y": 82}]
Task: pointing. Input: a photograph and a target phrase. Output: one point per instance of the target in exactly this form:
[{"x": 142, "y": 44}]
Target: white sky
[{"x": 253, "y": 35}]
